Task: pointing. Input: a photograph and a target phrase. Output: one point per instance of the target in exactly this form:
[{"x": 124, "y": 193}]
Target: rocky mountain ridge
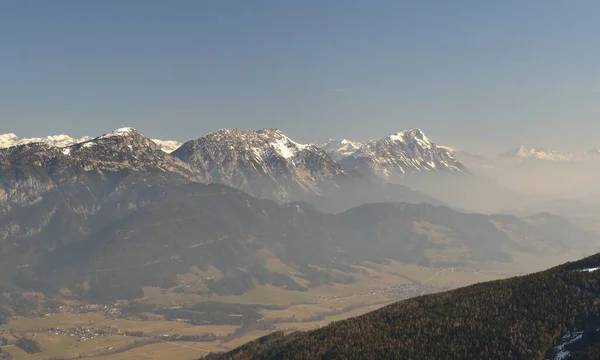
[
  {"x": 400, "y": 154},
  {"x": 11, "y": 139}
]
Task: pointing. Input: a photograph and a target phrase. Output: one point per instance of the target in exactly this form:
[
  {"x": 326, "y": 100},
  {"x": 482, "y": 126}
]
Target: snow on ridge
[
  {"x": 260, "y": 142},
  {"x": 124, "y": 131},
  {"x": 340, "y": 148},
  {"x": 590, "y": 269},
  {"x": 167, "y": 146},
  {"x": 10, "y": 140},
  {"x": 63, "y": 141}
]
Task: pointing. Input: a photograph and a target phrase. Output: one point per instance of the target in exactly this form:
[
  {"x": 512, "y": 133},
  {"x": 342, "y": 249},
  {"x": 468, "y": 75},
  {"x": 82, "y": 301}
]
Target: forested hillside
[{"x": 549, "y": 314}]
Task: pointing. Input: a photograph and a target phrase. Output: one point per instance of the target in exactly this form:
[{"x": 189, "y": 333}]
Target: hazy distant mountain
[
  {"x": 538, "y": 154},
  {"x": 461, "y": 154},
  {"x": 593, "y": 152},
  {"x": 9, "y": 140},
  {"x": 339, "y": 149},
  {"x": 397, "y": 155}
]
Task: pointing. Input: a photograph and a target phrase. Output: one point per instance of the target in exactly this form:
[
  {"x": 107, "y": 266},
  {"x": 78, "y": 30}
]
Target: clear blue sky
[{"x": 477, "y": 74}]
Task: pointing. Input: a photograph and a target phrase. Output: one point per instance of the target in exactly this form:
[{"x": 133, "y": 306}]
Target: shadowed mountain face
[
  {"x": 548, "y": 315},
  {"x": 144, "y": 233}
]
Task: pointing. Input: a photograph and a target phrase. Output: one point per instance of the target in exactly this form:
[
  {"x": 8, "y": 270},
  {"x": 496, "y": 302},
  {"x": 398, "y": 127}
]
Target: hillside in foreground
[{"x": 554, "y": 314}]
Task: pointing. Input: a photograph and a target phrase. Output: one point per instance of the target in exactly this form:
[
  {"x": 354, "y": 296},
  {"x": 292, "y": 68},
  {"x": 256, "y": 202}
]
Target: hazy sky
[{"x": 477, "y": 74}]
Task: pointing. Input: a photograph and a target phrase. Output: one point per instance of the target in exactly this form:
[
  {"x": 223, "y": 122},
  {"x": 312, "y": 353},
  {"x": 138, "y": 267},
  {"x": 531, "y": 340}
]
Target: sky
[{"x": 480, "y": 75}]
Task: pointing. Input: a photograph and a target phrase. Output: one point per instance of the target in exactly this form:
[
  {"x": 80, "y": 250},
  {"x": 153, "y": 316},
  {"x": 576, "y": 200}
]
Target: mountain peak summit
[{"x": 407, "y": 151}]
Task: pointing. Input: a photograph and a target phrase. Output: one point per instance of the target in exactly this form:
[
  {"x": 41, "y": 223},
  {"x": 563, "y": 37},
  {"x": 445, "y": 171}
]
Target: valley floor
[{"x": 72, "y": 336}]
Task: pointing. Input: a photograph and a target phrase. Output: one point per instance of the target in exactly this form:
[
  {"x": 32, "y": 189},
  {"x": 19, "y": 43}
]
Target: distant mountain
[
  {"x": 593, "y": 152},
  {"x": 552, "y": 314},
  {"x": 9, "y": 140},
  {"x": 268, "y": 164},
  {"x": 167, "y": 146},
  {"x": 538, "y": 154},
  {"x": 86, "y": 171},
  {"x": 339, "y": 149},
  {"x": 400, "y": 154},
  {"x": 105, "y": 217},
  {"x": 265, "y": 162}
]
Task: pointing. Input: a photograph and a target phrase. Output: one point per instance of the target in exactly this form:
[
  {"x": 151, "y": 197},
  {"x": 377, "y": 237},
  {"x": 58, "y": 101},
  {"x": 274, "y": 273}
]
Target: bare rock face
[{"x": 264, "y": 162}]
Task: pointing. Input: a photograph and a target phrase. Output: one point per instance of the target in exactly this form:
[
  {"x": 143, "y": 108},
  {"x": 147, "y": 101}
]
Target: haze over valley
[{"x": 299, "y": 180}]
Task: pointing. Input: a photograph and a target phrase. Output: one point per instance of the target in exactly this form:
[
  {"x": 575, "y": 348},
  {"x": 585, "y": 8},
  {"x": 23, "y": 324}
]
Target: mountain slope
[
  {"x": 147, "y": 232},
  {"x": 552, "y": 314},
  {"x": 59, "y": 191}
]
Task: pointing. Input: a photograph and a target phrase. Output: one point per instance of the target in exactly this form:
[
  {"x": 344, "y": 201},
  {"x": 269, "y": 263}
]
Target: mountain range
[
  {"x": 10, "y": 140},
  {"x": 107, "y": 216}
]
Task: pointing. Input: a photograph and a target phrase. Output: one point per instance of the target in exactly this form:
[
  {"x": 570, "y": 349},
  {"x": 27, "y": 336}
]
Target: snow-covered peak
[
  {"x": 410, "y": 134},
  {"x": 408, "y": 151},
  {"x": 124, "y": 131},
  {"x": 262, "y": 143},
  {"x": 8, "y": 137},
  {"x": 10, "y": 140},
  {"x": 61, "y": 141},
  {"x": 262, "y": 162},
  {"x": 339, "y": 149},
  {"x": 167, "y": 146},
  {"x": 539, "y": 154}
]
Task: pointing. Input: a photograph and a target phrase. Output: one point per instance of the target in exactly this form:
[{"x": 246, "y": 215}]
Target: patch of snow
[
  {"x": 560, "y": 351},
  {"x": 590, "y": 269},
  {"x": 280, "y": 146}
]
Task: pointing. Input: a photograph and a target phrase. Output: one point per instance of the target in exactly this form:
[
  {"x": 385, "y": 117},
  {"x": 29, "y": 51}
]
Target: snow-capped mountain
[
  {"x": 168, "y": 146},
  {"x": 125, "y": 148},
  {"x": 262, "y": 162},
  {"x": 339, "y": 149},
  {"x": 86, "y": 175},
  {"x": 402, "y": 153},
  {"x": 538, "y": 154},
  {"x": 9, "y": 140}
]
